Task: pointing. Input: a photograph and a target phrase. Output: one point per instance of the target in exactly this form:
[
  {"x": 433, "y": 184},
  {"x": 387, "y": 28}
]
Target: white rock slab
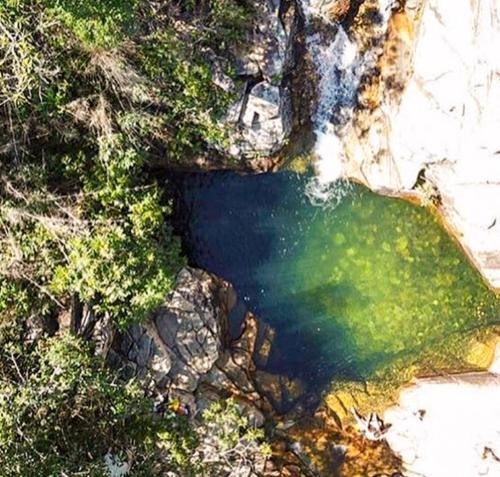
[
  {"x": 449, "y": 426},
  {"x": 449, "y": 122}
]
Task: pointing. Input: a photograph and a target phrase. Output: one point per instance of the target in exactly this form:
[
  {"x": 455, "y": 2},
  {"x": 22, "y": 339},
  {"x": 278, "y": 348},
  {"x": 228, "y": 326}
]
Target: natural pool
[{"x": 350, "y": 290}]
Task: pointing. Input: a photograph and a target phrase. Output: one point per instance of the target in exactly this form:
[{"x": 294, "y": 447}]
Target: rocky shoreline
[
  {"x": 424, "y": 120},
  {"x": 184, "y": 354},
  {"x": 447, "y": 425}
]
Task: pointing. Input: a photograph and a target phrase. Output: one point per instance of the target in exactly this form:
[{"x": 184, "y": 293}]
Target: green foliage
[
  {"x": 20, "y": 62},
  {"x": 128, "y": 260},
  {"x": 221, "y": 21},
  {"x": 96, "y": 24},
  {"x": 146, "y": 61},
  {"x": 93, "y": 96},
  {"x": 193, "y": 104},
  {"x": 228, "y": 440},
  {"x": 62, "y": 412},
  {"x": 111, "y": 245},
  {"x": 228, "y": 425},
  {"x": 122, "y": 274}
]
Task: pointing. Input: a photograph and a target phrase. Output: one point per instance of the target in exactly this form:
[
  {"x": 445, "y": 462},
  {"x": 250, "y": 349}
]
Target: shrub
[
  {"x": 229, "y": 442},
  {"x": 62, "y": 412},
  {"x": 96, "y": 24},
  {"x": 92, "y": 95}
]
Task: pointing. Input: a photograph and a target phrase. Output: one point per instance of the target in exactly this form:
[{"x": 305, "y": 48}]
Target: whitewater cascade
[{"x": 340, "y": 66}]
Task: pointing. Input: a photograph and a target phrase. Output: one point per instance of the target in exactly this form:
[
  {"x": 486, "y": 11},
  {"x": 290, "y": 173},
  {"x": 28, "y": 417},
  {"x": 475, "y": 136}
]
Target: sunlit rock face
[
  {"x": 448, "y": 426},
  {"x": 428, "y": 109},
  {"x": 449, "y": 120}
]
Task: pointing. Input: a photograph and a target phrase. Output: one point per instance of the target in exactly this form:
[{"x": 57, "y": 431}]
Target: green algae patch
[
  {"x": 372, "y": 290},
  {"x": 391, "y": 280},
  {"x": 473, "y": 351}
]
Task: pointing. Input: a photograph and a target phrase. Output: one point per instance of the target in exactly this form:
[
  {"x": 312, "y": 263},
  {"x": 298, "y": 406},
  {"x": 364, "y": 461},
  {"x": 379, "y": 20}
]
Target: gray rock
[
  {"x": 182, "y": 349},
  {"x": 264, "y": 121},
  {"x": 183, "y": 339},
  {"x": 270, "y": 42},
  {"x": 261, "y": 118}
]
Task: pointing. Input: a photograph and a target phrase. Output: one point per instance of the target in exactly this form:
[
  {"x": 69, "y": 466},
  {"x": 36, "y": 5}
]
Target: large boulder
[
  {"x": 261, "y": 118},
  {"x": 183, "y": 351},
  {"x": 185, "y": 336}
]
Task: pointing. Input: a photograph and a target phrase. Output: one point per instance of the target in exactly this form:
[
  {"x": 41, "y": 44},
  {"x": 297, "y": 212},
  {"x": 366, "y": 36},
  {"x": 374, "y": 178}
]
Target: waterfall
[{"x": 340, "y": 65}]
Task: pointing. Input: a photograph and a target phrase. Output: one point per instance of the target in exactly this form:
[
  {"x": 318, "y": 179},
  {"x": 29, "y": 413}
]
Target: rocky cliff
[{"x": 261, "y": 119}]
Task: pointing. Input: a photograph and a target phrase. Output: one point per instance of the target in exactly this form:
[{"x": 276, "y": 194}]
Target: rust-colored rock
[
  {"x": 244, "y": 347},
  {"x": 339, "y": 9},
  {"x": 342, "y": 452},
  {"x": 263, "y": 350}
]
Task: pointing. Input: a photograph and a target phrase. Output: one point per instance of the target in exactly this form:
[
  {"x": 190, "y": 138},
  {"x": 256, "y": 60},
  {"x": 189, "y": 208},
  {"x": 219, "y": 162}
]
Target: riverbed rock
[
  {"x": 434, "y": 115},
  {"x": 244, "y": 348},
  {"x": 281, "y": 391},
  {"x": 334, "y": 451}
]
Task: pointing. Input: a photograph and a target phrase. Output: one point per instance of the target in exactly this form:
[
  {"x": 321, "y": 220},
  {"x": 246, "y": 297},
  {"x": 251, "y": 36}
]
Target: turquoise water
[{"x": 349, "y": 290}]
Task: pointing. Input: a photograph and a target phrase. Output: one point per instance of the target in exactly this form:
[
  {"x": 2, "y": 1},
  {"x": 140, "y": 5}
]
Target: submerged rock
[
  {"x": 342, "y": 452},
  {"x": 263, "y": 349},
  {"x": 281, "y": 391}
]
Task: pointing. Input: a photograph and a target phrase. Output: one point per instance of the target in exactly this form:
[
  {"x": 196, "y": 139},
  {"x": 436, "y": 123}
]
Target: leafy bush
[
  {"x": 126, "y": 259},
  {"x": 103, "y": 24},
  {"x": 93, "y": 95},
  {"x": 227, "y": 440},
  {"x": 62, "y": 412},
  {"x": 142, "y": 60},
  {"x": 221, "y": 21}
]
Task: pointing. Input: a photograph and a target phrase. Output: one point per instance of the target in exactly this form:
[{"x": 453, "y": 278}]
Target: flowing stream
[{"x": 340, "y": 64}]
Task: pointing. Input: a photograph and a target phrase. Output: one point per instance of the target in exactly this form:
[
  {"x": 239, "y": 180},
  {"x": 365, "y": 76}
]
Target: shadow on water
[
  {"x": 347, "y": 289},
  {"x": 315, "y": 345},
  {"x": 240, "y": 227}
]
